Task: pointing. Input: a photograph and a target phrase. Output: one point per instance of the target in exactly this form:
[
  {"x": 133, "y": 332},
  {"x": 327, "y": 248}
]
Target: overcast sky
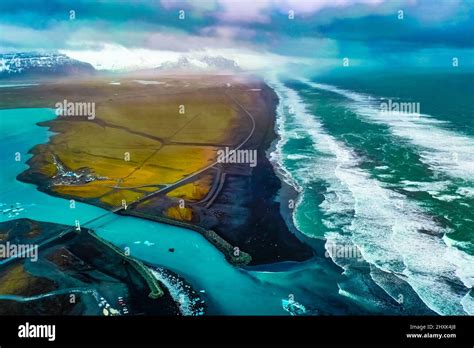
[{"x": 254, "y": 32}]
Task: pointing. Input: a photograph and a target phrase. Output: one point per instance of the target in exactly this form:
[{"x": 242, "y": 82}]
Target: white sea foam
[
  {"x": 446, "y": 198},
  {"x": 149, "y": 82},
  {"x": 385, "y": 176},
  {"x": 468, "y": 303},
  {"x": 296, "y": 156},
  {"x": 383, "y": 224},
  {"x": 440, "y": 148},
  {"x": 180, "y": 292},
  {"x": 436, "y": 189},
  {"x": 9, "y": 85},
  {"x": 276, "y": 156},
  {"x": 466, "y": 192}
]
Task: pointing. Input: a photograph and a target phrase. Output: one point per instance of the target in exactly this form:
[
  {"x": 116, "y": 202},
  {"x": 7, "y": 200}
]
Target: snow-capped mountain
[
  {"x": 37, "y": 64},
  {"x": 58, "y": 64},
  {"x": 220, "y": 63},
  {"x": 202, "y": 64}
]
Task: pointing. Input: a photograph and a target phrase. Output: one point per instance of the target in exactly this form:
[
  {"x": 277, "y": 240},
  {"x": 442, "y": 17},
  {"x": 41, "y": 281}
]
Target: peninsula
[{"x": 153, "y": 149}]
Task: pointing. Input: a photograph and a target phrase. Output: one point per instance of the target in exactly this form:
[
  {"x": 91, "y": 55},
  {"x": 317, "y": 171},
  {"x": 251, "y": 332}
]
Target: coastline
[
  {"x": 281, "y": 192},
  {"x": 288, "y": 191},
  {"x": 262, "y": 235}
]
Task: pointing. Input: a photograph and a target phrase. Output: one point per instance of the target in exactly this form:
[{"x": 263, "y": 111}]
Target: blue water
[
  {"x": 19, "y": 134},
  {"x": 376, "y": 183},
  {"x": 228, "y": 290},
  {"x": 344, "y": 198}
]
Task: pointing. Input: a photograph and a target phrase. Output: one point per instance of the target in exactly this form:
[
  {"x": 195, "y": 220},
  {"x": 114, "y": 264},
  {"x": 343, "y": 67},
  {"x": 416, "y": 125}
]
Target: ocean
[
  {"x": 391, "y": 193},
  {"x": 390, "y": 196}
]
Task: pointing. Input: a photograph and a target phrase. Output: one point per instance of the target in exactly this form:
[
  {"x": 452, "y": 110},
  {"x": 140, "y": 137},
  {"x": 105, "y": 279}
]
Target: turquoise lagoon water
[{"x": 228, "y": 290}]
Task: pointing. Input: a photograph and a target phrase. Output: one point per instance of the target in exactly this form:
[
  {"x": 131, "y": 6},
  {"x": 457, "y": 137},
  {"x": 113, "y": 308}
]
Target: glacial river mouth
[{"x": 226, "y": 289}]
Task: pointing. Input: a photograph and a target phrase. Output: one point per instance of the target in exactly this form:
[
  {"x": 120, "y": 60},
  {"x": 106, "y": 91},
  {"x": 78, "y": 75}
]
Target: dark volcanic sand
[{"x": 266, "y": 235}]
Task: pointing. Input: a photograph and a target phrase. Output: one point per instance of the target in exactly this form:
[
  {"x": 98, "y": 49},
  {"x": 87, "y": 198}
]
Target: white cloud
[{"x": 116, "y": 57}]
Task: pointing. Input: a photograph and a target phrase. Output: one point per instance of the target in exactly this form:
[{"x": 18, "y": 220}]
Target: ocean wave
[
  {"x": 442, "y": 149},
  {"x": 296, "y": 157},
  {"x": 466, "y": 192},
  {"x": 185, "y": 297},
  {"x": 439, "y": 190},
  {"x": 468, "y": 303},
  {"x": 391, "y": 232},
  {"x": 277, "y": 156}
]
